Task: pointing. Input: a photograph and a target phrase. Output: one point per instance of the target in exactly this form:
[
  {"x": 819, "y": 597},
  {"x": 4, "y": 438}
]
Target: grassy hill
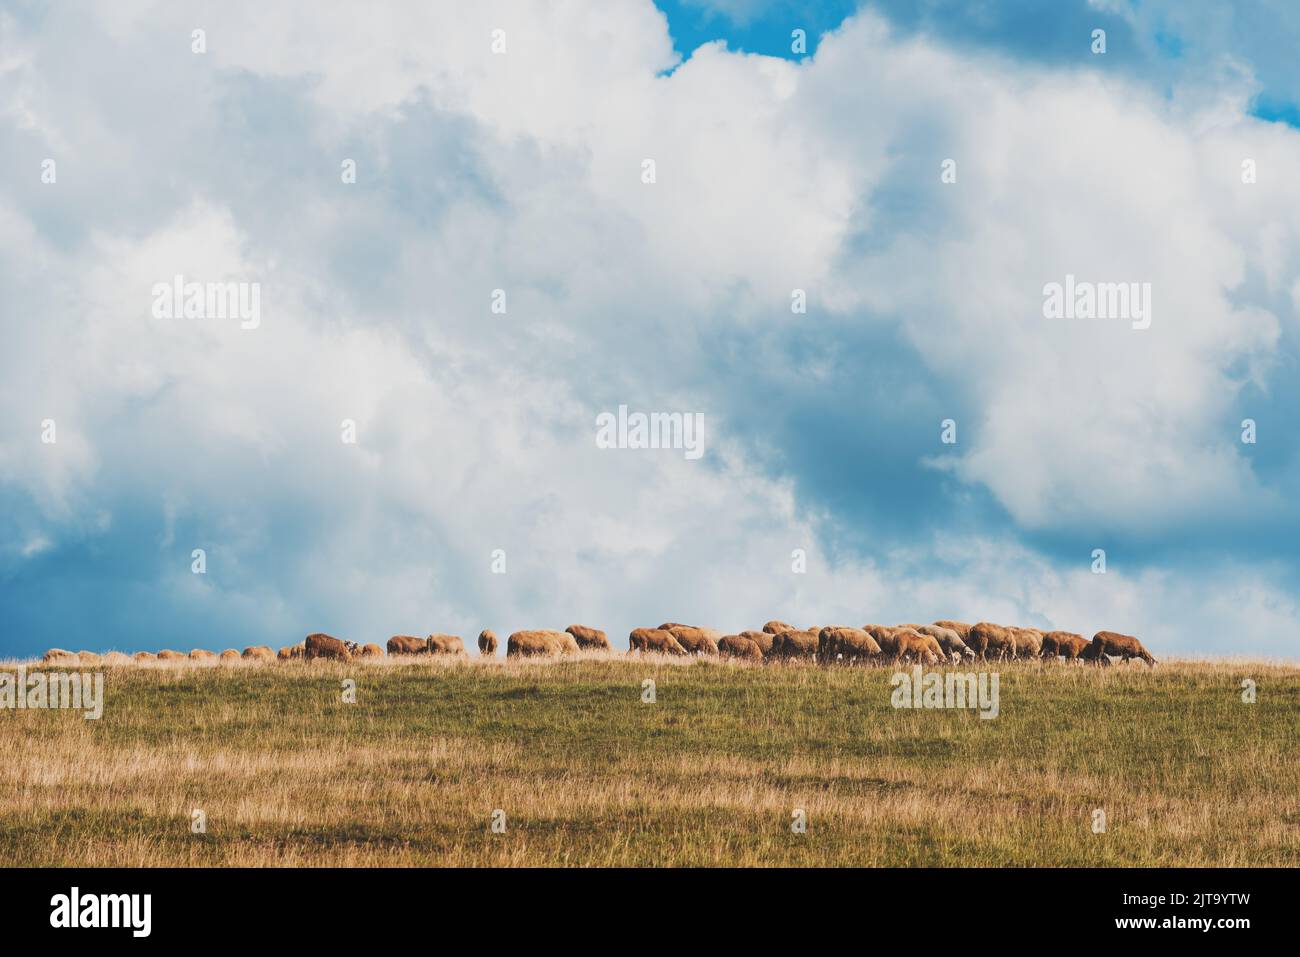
[{"x": 710, "y": 774}]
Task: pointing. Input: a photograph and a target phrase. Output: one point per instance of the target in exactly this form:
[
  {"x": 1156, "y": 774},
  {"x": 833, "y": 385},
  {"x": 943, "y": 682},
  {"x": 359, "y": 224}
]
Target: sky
[{"x": 511, "y": 167}]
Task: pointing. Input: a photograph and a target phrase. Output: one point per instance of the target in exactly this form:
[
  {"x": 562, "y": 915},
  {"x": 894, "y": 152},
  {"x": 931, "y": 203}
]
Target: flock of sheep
[{"x": 942, "y": 641}]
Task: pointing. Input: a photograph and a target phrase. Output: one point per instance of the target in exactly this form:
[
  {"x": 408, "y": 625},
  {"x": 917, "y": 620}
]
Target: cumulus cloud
[{"x": 522, "y": 172}]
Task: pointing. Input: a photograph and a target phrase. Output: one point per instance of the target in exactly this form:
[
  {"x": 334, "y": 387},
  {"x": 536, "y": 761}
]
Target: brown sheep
[
  {"x": 1029, "y": 642},
  {"x": 761, "y": 638},
  {"x": 168, "y": 655},
  {"x": 407, "y": 645},
  {"x": 948, "y": 639},
  {"x": 696, "y": 641},
  {"x": 845, "y": 644},
  {"x": 230, "y": 654},
  {"x": 988, "y": 640},
  {"x": 202, "y": 654},
  {"x": 325, "y": 646},
  {"x": 57, "y": 656},
  {"x": 370, "y": 650},
  {"x": 658, "y": 640},
  {"x": 533, "y": 644},
  {"x": 445, "y": 645},
  {"x": 794, "y": 644},
  {"x": 1114, "y": 644},
  {"x": 145, "y": 656},
  {"x": 565, "y": 643},
  {"x": 1064, "y": 644},
  {"x": 735, "y": 646},
  {"x": 589, "y": 639},
  {"x": 258, "y": 653},
  {"x": 487, "y": 643},
  {"x": 915, "y": 646},
  {"x": 962, "y": 629},
  {"x": 776, "y": 627},
  {"x": 886, "y": 636}
]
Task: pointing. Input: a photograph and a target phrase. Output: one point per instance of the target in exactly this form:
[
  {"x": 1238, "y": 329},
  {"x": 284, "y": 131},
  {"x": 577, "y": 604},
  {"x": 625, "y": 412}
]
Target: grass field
[{"x": 710, "y": 774}]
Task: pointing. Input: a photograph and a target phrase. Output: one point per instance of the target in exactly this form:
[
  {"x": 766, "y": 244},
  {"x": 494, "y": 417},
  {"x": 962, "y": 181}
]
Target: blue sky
[{"x": 522, "y": 171}]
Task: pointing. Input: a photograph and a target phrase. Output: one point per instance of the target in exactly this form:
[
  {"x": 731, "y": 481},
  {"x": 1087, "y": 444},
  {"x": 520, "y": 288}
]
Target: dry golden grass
[{"x": 289, "y": 775}]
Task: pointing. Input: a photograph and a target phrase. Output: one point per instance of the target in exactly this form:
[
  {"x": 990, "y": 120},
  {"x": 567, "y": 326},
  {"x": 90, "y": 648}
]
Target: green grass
[{"x": 587, "y": 774}]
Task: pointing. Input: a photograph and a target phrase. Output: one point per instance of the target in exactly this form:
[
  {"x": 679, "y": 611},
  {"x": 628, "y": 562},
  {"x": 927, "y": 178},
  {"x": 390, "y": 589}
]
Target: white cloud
[{"x": 476, "y": 431}]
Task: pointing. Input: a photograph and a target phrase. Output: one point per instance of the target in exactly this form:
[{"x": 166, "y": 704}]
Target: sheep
[
  {"x": 654, "y": 639},
  {"x": 988, "y": 640},
  {"x": 1028, "y": 642},
  {"x": 407, "y": 645},
  {"x": 1120, "y": 646},
  {"x": 590, "y": 639},
  {"x": 948, "y": 640},
  {"x": 320, "y": 646},
  {"x": 761, "y": 638},
  {"x": 1064, "y": 644},
  {"x": 696, "y": 641},
  {"x": 445, "y": 645},
  {"x": 794, "y": 644},
  {"x": 837, "y": 643},
  {"x": 736, "y": 646}
]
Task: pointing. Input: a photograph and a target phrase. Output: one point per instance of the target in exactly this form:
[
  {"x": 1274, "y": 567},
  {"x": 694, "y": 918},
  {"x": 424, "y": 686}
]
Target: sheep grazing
[
  {"x": 445, "y": 645},
  {"x": 657, "y": 640},
  {"x": 838, "y": 643},
  {"x": 988, "y": 640},
  {"x": 407, "y": 645},
  {"x": 794, "y": 645},
  {"x": 914, "y": 646},
  {"x": 323, "y": 646},
  {"x": 589, "y": 639},
  {"x": 948, "y": 640},
  {"x": 886, "y": 636},
  {"x": 1113, "y": 644},
  {"x": 962, "y": 629},
  {"x": 736, "y": 646},
  {"x": 539, "y": 643},
  {"x": 1063, "y": 644},
  {"x": 761, "y": 638},
  {"x": 696, "y": 641},
  {"x": 944, "y": 640},
  {"x": 1029, "y": 642}
]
